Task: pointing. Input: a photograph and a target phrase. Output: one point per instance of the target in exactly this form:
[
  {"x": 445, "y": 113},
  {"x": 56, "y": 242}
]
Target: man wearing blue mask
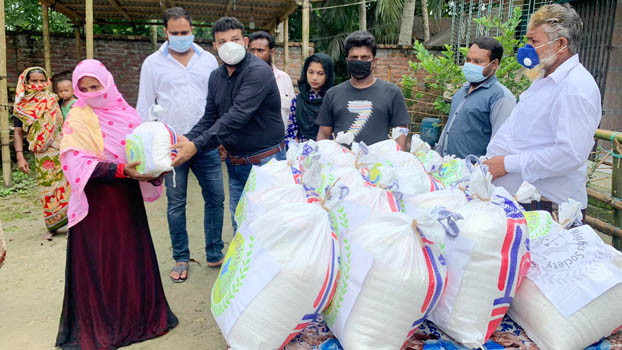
[
  {"x": 176, "y": 78},
  {"x": 550, "y": 134},
  {"x": 480, "y": 107}
]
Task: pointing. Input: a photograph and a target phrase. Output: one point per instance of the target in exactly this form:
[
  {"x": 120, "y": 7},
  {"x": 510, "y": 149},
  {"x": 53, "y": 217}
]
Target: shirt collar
[
  {"x": 197, "y": 49},
  {"x": 490, "y": 81},
  {"x": 560, "y": 73}
]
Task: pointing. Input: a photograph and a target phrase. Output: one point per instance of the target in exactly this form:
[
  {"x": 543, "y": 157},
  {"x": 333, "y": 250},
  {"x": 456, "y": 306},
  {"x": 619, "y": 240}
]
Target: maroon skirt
[{"x": 113, "y": 291}]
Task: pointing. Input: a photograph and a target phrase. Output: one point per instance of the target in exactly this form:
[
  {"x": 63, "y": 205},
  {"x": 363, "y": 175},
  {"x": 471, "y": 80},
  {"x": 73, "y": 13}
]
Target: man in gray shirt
[
  {"x": 480, "y": 107},
  {"x": 365, "y": 106}
]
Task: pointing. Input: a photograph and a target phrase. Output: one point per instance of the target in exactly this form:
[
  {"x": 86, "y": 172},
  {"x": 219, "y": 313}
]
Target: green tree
[{"x": 27, "y": 15}]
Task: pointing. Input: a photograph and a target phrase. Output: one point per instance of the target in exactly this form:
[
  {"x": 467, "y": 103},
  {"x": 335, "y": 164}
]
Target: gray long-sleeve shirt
[{"x": 475, "y": 117}]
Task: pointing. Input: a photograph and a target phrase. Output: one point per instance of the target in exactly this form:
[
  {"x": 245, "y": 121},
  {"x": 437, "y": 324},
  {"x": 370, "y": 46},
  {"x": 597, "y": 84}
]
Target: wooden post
[
  {"x": 4, "y": 101},
  {"x": 362, "y": 15},
  {"x": 286, "y": 45},
  {"x": 76, "y": 32},
  {"x": 616, "y": 190},
  {"x": 46, "y": 40},
  {"x": 305, "y": 29},
  {"x": 88, "y": 28},
  {"x": 154, "y": 37}
]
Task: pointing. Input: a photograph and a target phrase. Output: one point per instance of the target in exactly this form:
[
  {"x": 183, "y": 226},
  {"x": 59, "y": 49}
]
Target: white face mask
[{"x": 231, "y": 53}]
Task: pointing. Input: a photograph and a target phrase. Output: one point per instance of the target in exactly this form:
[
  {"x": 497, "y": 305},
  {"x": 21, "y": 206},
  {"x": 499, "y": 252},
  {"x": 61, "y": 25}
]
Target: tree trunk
[
  {"x": 426, "y": 21},
  {"x": 406, "y": 26}
]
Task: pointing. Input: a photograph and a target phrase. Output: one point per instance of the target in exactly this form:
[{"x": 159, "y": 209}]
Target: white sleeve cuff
[{"x": 512, "y": 163}]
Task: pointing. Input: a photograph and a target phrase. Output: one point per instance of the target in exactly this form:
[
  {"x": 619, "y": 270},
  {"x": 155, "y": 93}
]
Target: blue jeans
[
  {"x": 238, "y": 174},
  {"x": 207, "y": 168}
]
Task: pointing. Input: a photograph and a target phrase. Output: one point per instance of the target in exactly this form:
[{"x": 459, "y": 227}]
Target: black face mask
[{"x": 359, "y": 69}]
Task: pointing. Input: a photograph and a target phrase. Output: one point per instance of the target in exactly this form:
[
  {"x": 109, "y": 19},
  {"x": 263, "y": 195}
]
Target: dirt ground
[{"x": 32, "y": 279}]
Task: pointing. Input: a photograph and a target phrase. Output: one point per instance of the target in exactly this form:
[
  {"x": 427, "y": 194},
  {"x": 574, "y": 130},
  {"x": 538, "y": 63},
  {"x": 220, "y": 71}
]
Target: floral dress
[{"x": 42, "y": 120}]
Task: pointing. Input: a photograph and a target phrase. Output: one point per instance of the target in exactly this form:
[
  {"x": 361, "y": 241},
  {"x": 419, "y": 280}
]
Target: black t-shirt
[{"x": 369, "y": 113}]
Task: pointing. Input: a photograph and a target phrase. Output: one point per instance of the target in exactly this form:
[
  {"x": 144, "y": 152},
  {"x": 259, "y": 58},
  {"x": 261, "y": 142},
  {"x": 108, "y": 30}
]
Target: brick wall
[
  {"x": 612, "y": 102},
  {"x": 123, "y": 56}
]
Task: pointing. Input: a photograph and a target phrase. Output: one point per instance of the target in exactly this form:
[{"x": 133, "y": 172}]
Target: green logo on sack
[
  {"x": 539, "y": 224},
  {"x": 232, "y": 273},
  {"x": 249, "y": 187}
]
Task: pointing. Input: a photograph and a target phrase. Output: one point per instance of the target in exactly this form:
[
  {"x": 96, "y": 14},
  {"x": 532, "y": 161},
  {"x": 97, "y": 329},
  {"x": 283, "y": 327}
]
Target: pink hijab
[{"x": 95, "y": 132}]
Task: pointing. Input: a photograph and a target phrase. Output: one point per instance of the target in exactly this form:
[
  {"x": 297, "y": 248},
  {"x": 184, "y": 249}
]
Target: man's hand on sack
[
  {"x": 496, "y": 166},
  {"x": 185, "y": 150},
  {"x": 131, "y": 172},
  {"x": 222, "y": 152}
]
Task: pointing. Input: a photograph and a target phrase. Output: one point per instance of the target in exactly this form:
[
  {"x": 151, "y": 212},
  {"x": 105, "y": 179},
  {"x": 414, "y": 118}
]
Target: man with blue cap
[
  {"x": 480, "y": 107},
  {"x": 550, "y": 134}
]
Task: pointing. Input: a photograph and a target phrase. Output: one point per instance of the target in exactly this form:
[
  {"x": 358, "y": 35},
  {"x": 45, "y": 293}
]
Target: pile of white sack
[{"x": 378, "y": 240}]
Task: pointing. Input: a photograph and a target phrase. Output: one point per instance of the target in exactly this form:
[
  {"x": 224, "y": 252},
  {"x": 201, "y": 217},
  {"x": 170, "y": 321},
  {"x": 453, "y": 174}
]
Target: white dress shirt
[
  {"x": 181, "y": 90},
  {"x": 550, "y": 134},
  {"x": 286, "y": 90}
]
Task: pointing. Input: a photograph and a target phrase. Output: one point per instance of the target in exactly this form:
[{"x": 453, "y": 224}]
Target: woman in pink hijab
[{"x": 113, "y": 291}]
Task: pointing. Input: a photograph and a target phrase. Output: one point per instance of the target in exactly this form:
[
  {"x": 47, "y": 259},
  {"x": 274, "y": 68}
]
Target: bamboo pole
[
  {"x": 154, "y": 37},
  {"x": 88, "y": 28},
  {"x": 605, "y": 228},
  {"x": 362, "y": 16},
  {"x": 4, "y": 101},
  {"x": 603, "y": 197},
  {"x": 606, "y": 135},
  {"x": 305, "y": 29},
  {"x": 286, "y": 45},
  {"x": 616, "y": 191},
  {"x": 47, "y": 55},
  {"x": 76, "y": 32}
]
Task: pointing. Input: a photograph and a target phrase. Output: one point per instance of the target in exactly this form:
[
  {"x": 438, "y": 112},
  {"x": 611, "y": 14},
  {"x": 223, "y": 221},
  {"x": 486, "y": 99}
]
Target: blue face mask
[
  {"x": 474, "y": 73},
  {"x": 528, "y": 57},
  {"x": 179, "y": 43}
]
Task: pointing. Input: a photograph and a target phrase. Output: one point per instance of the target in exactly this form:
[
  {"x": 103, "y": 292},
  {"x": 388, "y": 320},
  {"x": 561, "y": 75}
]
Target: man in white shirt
[
  {"x": 261, "y": 44},
  {"x": 176, "y": 78},
  {"x": 549, "y": 136}
]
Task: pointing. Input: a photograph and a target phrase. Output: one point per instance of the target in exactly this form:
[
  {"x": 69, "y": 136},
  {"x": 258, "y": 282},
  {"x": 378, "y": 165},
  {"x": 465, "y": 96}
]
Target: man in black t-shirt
[{"x": 365, "y": 106}]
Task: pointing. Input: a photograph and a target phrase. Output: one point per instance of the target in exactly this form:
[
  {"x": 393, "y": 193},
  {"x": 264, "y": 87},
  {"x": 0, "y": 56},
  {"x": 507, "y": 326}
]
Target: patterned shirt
[{"x": 293, "y": 133}]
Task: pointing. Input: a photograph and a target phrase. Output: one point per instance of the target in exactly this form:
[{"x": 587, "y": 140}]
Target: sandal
[
  {"x": 49, "y": 235},
  {"x": 180, "y": 270}
]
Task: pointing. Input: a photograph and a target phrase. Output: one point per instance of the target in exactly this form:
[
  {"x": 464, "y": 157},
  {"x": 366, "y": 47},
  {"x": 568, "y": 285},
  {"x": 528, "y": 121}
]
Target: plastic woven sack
[
  {"x": 392, "y": 276},
  {"x": 280, "y": 270},
  {"x": 571, "y": 297},
  {"x": 482, "y": 287}
]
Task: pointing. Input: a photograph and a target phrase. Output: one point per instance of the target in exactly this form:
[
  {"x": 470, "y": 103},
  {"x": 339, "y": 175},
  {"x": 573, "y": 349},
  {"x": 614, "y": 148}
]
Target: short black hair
[
  {"x": 360, "y": 38},
  {"x": 175, "y": 13},
  {"x": 490, "y": 44},
  {"x": 262, "y": 35},
  {"x": 224, "y": 24}
]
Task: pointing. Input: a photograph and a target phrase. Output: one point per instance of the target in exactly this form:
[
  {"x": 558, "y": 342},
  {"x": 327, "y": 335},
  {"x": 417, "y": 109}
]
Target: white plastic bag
[
  {"x": 150, "y": 143},
  {"x": 452, "y": 200},
  {"x": 260, "y": 179},
  {"x": 279, "y": 274}
]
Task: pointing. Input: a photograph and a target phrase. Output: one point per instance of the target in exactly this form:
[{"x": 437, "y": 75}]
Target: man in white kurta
[{"x": 550, "y": 133}]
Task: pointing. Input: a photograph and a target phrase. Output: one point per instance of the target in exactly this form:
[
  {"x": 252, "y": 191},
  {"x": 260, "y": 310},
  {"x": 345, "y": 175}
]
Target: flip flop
[{"x": 179, "y": 269}]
